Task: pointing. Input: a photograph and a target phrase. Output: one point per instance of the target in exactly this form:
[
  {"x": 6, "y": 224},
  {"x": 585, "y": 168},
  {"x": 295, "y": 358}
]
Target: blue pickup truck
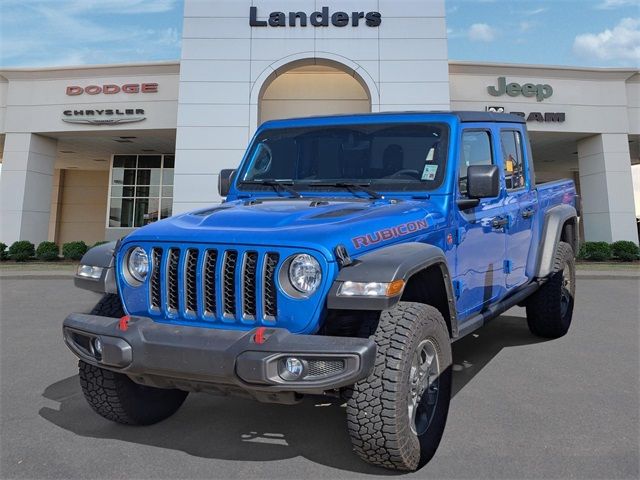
[{"x": 350, "y": 252}]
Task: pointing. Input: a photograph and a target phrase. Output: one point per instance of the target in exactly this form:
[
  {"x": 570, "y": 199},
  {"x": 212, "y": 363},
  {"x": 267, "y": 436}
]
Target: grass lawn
[{"x": 61, "y": 266}]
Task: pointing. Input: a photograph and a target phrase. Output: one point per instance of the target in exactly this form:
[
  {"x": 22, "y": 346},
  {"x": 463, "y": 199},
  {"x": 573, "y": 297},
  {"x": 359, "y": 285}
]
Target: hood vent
[{"x": 339, "y": 213}]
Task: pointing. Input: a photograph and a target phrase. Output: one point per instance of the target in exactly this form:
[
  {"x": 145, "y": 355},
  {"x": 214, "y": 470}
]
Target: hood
[{"x": 316, "y": 223}]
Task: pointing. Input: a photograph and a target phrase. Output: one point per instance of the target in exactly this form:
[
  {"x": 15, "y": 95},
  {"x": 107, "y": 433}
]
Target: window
[
  {"x": 389, "y": 157},
  {"x": 476, "y": 150},
  {"x": 141, "y": 190},
  {"x": 513, "y": 159}
]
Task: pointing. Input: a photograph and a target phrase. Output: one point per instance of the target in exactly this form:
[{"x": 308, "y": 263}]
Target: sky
[{"x": 606, "y": 33}]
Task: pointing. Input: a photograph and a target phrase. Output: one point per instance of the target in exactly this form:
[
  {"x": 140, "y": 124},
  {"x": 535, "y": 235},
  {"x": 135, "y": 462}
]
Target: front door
[{"x": 479, "y": 273}]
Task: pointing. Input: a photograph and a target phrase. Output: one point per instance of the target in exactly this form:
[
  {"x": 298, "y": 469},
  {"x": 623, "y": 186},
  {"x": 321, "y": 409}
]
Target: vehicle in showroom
[{"x": 350, "y": 252}]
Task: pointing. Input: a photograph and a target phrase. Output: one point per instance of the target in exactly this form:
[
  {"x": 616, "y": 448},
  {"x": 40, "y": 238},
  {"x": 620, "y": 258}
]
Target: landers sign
[
  {"x": 104, "y": 116},
  {"x": 317, "y": 19}
]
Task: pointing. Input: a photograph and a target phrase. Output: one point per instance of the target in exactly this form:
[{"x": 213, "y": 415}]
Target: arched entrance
[{"x": 312, "y": 87}]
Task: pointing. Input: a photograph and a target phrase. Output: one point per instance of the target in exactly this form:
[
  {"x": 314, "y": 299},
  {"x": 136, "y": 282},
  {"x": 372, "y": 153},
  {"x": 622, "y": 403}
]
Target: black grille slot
[
  {"x": 249, "y": 284},
  {"x": 209, "y": 274},
  {"x": 270, "y": 295},
  {"x": 172, "y": 279},
  {"x": 323, "y": 368},
  {"x": 190, "y": 285},
  {"x": 229, "y": 283},
  {"x": 156, "y": 262}
]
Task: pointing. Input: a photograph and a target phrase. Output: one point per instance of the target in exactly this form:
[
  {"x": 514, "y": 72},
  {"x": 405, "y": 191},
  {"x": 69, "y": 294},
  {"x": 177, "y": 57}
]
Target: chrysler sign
[{"x": 104, "y": 116}]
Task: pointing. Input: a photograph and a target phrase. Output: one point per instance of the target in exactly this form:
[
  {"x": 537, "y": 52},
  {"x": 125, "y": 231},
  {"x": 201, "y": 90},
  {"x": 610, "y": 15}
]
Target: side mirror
[
  {"x": 224, "y": 181},
  {"x": 483, "y": 181}
]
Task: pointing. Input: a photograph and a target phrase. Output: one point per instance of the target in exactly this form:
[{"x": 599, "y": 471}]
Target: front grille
[
  {"x": 190, "y": 285},
  {"x": 172, "y": 280},
  {"x": 213, "y": 285},
  {"x": 270, "y": 305},
  {"x": 249, "y": 285},
  {"x": 154, "y": 282},
  {"x": 229, "y": 284}
]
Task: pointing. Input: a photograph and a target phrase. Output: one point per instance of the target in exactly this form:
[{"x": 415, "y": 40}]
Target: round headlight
[
  {"x": 138, "y": 264},
  {"x": 305, "y": 274}
]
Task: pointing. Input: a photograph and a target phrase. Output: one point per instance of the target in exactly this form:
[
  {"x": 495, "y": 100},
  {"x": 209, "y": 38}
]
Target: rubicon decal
[
  {"x": 389, "y": 233},
  {"x": 104, "y": 116}
]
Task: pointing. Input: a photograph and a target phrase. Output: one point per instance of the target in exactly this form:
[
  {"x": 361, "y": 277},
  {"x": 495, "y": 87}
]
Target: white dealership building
[{"x": 88, "y": 153}]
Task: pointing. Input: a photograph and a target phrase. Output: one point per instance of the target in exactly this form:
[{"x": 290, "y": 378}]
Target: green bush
[
  {"x": 625, "y": 251},
  {"x": 48, "y": 251},
  {"x": 595, "y": 251},
  {"x": 22, "y": 250},
  {"x": 3, "y": 251},
  {"x": 74, "y": 250}
]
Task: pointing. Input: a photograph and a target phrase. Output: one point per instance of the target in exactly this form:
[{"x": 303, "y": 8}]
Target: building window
[{"x": 141, "y": 189}]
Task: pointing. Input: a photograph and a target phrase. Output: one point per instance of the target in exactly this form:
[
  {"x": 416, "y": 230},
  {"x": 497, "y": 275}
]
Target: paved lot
[{"x": 523, "y": 408}]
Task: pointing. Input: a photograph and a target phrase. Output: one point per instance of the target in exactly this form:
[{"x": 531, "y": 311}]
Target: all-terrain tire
[
  {"x": 109, "y": 305},
  {"x": 550, "y": 308},
  {"x": 378, "y": 408},
  {"x": 116, "y": 397}
]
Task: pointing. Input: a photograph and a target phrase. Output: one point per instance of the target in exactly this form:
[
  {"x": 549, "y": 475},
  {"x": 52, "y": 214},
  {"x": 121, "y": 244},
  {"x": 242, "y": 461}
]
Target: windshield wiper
[
  {"x": 276, "y": 185},
  {"x": 352, "y": 187}
]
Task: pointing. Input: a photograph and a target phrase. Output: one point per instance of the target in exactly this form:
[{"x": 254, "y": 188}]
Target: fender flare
[
  {"x": 554, "y": 220},
  {"x": 102, "y": 256},
  {"x": 396, "y": 262}
]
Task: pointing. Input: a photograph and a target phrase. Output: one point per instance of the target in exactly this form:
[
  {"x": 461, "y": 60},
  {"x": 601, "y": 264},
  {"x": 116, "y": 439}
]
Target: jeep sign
[{"x": 514, "y": 89}]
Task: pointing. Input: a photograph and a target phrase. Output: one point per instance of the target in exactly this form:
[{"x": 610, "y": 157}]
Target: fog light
[
  {"x": 294, "y": 367},
  {"x": 97, "y": 345}
]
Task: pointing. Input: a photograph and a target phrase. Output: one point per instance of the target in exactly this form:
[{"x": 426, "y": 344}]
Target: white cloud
[
  {"x": 622, "y": 43},
  {"x": 610, "y": 4},
  {"x": 481, "y": 32},
  {"x": 78, "y": 32},
  {"x": 536, "y": 11}
]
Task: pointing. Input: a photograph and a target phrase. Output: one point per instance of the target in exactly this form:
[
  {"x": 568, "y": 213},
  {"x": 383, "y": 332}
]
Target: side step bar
[{"x": 496, "y": 310}]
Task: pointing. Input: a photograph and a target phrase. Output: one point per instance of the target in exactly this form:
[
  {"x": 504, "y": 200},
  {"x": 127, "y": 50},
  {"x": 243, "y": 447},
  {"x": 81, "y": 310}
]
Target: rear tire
[
  {"x": 550, "y": 309},
  {"x": 413, "y": 345},
  {"x": 116, "y": 397}
]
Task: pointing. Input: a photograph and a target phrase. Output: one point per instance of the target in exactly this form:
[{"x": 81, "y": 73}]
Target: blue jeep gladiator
[{"x": 350, "y": 252}]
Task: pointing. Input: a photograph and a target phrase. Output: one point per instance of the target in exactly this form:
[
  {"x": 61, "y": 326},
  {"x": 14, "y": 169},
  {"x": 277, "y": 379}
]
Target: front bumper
[{"x": 189, "y": 357}]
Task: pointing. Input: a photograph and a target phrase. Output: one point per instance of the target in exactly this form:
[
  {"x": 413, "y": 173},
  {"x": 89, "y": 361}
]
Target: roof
[{"x": 462, "y": 116}]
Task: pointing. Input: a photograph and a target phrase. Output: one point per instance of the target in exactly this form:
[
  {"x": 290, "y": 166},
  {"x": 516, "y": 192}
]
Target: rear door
[
  {"x": 481, "y": 240},
  {"x": 520, "y": 205}
]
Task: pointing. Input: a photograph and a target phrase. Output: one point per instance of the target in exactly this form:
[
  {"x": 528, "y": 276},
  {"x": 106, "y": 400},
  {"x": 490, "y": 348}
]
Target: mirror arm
[{"x": 467, "y": 203}]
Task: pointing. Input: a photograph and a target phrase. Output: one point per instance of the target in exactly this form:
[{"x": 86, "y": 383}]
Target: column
[
  {"x": 607, "y": 188},
  {"x": 25, "y": 187}
]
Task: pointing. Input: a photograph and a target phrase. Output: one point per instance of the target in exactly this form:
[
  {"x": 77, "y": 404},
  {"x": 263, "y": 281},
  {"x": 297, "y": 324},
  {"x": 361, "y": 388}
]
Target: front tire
[
  {"x": 115, "y": 396},
  {"x": 396, "y": 416},
  {"x": 550, "y": 308}
]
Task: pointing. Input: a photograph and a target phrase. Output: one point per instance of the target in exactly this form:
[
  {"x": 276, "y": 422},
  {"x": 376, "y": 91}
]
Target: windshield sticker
[
  {"x": 389, "y": 233},
  {"x": 429, "y": 172}
]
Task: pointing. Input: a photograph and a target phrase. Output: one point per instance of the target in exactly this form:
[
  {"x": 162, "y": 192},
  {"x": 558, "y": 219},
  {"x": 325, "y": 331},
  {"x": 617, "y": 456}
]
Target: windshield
[{"x": 387, "y": 157}]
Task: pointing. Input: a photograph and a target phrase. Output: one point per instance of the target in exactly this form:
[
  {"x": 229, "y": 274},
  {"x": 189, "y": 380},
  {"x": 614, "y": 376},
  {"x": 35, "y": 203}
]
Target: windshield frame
[{"x": 398, "y": 186}]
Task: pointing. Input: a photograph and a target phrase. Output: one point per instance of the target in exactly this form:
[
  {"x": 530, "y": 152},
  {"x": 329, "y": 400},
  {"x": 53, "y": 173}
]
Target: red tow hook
[
  {"x": 259, "y": 338},
  {"x": 123, "y": 324}
]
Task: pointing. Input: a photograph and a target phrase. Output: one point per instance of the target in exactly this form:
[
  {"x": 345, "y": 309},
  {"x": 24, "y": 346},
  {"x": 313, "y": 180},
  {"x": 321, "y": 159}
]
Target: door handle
[
  {"x": 528, "y": 213},
  {"x": 499, "y": 222}
]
